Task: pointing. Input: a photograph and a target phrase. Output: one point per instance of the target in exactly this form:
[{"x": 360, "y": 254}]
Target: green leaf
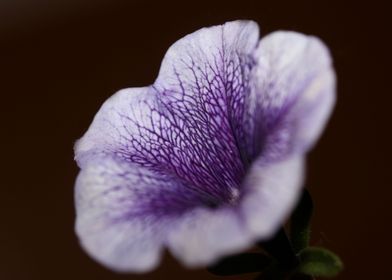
[
  {"x": 300, "y": 222},
  {"x": 240, "y": 264},
  {"x": 319, "y": 262}
]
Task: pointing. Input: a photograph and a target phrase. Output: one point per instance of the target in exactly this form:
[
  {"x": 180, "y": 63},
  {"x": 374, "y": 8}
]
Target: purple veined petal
[
  {"x": 270, "y": 192},
  {"x": 206, "y": 79},
  {"x": 208, "y": 54},
  {"x": 124, "y": 212},
  {"x": 114, "y": 126},
  {"x": 127, "y": 214},
  {"x": 105, "y": 224},
  {"x": 294, "y": 93},
  {"x": 209, "y": 158},
  {"x": 199, "y": 91},
  {"x": 189, "y": 123},
  {"x": 149, "y": 129}
]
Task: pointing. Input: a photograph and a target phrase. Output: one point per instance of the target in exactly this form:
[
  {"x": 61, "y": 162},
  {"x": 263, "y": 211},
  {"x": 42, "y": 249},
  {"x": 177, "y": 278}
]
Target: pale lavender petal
[
  {"x": 114, "y": 127},
  {"x": 107, "y": 223},
  {"x": 294, "y": 93},
  {"x": 270, "y": 193},
  {"x": 204, "y": 235}
]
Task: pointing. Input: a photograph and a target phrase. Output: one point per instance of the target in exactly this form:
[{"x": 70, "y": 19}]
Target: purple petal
[
  {"x": 209, "y": 158},
  {"x": 183, "y": 126},
  {"x": 189, "y": 122},
  {"x": 124, "y": 212},
  {"x": 205, "y": 81},
  {"x": 294, "y": 93},
  {"x": 270, "y": 192}
]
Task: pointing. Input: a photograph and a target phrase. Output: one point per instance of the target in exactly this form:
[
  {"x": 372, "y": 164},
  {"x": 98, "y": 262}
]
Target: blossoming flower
[{"x": 210, "y": 157}]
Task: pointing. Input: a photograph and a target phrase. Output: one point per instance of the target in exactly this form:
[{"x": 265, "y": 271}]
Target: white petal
[
  {"x": 203, "y": 236},
  {"x": 271, "y": 193}
]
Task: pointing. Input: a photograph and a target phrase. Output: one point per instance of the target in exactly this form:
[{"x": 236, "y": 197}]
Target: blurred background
[{"x": 59, "y": 61}]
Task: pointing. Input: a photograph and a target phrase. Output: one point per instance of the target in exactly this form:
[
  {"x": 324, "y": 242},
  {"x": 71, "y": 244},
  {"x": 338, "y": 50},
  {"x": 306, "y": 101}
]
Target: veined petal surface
[{"x": 210, "y": 157}]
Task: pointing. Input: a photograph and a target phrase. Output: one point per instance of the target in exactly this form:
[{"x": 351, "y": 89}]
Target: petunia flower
[{"x": 209, "y": 158}]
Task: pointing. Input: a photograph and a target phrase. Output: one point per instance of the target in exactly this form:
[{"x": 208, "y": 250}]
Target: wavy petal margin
[{"x": 208, "y": 159}]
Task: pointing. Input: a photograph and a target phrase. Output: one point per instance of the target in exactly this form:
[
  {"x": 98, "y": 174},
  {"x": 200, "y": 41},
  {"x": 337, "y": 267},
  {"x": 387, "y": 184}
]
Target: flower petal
[
  {"x": 211, "y": 53},
  {"x": 271, "y": 192},
  {"x": 205, "y": 80},
  {"x": 123, "y": 212},
  {"x": 114, "y": 126},
  {"x": 106, "y": 228},
  {"x": 294, "y": 92},
  {"x": 189, "y": 123},
  {"x": 165, "y": 165},
  {"x": 202, "y": 236}
]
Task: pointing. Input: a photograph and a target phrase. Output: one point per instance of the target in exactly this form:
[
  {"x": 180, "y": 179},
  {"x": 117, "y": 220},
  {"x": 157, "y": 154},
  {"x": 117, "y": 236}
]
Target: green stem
[{"x": 300, "y": 222}]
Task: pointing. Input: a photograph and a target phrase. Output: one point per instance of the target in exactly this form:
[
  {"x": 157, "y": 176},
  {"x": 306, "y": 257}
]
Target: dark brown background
[{"x": 59, "y": 60}]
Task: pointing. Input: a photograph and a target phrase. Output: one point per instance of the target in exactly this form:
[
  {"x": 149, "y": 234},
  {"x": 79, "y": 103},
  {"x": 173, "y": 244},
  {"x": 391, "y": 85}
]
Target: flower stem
[{"x": 300, "y": 222}]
